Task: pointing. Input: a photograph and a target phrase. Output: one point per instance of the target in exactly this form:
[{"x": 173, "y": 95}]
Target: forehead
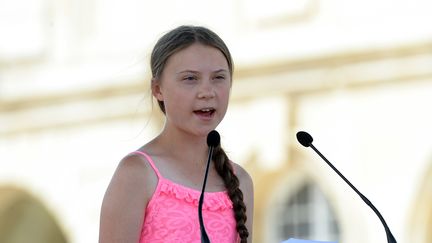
[{"x": 197, "y": 57}]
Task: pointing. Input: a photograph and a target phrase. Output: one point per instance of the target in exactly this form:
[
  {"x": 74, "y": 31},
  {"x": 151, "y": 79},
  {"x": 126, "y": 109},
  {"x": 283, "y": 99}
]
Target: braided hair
[
  {"x": 172, "y": 42},
  {"x": 225, "y": 170}
]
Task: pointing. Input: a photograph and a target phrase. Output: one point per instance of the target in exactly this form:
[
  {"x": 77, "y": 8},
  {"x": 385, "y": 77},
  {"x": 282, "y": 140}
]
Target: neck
[{"x": 183, "y": 146}]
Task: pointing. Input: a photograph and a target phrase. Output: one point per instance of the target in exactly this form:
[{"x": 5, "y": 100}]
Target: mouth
[{"x": 206, "y": 112}]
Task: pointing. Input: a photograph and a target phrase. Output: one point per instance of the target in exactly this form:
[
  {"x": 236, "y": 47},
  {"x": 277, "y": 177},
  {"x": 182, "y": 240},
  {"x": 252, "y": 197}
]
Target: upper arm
[
  {"x": 246, "y": 186},
  {"x": 123, "y": 206}
]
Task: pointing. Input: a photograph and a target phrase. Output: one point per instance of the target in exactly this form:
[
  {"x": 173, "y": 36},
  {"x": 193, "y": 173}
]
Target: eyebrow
[
  {"x": 221, "y": 70},
  {"x": 192, "y": 71}
]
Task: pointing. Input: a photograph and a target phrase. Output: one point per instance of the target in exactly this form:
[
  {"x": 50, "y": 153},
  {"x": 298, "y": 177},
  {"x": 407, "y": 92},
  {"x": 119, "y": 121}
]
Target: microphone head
[
  {"x": 304, "y": 138},
  {"x": 213, "y": 139}
]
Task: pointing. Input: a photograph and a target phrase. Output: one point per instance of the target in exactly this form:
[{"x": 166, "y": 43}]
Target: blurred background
[{"x": 357, "y": 75}]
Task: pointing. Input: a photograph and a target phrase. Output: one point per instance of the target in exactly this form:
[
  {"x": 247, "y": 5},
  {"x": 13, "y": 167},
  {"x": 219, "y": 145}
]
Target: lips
[{"x": 205, "y": 112}]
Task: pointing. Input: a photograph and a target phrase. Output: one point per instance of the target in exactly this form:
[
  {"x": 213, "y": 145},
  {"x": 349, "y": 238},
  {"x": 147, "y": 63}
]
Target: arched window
[
  {"x": 25, "y": 219},
  {"x": 306, "y": 214}
]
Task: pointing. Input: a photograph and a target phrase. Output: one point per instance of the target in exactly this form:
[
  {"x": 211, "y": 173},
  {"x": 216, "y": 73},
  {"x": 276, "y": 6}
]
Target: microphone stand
[
  {"x": 306, "y": 140},
  {"x": 204, "y": 236},
  {"x": 390, "y": 237}
]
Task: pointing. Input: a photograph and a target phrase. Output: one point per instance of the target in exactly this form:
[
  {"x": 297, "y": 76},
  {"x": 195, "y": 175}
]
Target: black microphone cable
[
  {"x": 306, "y": 140},
  {"x": 213, "y": 140}
]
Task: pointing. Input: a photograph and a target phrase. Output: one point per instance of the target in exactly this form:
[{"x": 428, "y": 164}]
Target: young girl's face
[{"x": 194, "y": 86}]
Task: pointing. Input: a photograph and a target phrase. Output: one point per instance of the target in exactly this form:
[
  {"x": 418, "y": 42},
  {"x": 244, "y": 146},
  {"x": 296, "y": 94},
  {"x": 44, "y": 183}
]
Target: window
[{"x": 306, "y": 214}]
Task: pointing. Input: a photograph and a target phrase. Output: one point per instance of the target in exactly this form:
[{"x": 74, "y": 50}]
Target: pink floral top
[{"x": 171, "y": 214}]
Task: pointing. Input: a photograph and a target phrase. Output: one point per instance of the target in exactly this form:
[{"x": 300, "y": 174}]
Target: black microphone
[
  {"x": 306, "y": 140},
  {"x": 213, "y": 140}
]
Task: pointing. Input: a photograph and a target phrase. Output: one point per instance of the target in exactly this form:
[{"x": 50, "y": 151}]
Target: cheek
[
  {"x": 168, "y": 92},
  {"x": 224, "y": 93},
  {"x": 176, "y": 99},
  {"x": 224, "y": 97}
]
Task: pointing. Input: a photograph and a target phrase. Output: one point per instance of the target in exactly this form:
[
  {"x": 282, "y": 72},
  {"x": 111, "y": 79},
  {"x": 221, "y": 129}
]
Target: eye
[
  {"x": 190, "y": 78},
  {"x": 219, "y": 78}
]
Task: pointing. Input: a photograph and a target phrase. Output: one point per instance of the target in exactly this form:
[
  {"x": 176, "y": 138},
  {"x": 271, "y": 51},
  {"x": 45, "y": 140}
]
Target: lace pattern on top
[{"x": 171, "y": 214}]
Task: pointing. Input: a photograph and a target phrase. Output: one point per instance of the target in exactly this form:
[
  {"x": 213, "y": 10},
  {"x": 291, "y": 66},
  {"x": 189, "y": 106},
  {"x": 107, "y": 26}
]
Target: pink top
[{"x": 171, "y": 214}]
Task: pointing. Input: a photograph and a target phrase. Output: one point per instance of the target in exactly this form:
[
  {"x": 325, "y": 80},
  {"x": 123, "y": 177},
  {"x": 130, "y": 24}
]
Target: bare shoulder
[
  {"x": 246, "y": 186},
  {"x": 243, "y": 176},
  {"x": 135, "y": 174},
  {"x": 123, "y": 206},
  {"x": 134, "y": 161},
  {"x": 131, "y": 185}
]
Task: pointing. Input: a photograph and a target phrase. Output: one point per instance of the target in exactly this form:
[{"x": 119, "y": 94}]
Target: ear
[{"x": 156, "y": 89}]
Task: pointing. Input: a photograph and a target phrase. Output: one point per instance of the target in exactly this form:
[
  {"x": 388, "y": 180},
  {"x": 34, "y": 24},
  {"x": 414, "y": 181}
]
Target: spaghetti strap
[{"x": 150, "y": 161}]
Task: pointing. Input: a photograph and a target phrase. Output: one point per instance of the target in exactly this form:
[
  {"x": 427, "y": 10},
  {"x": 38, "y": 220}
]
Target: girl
[{"x": 153, "y": 195}]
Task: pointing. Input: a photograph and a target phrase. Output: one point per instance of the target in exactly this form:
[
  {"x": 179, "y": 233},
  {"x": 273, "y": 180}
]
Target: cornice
[{"x": 359, "y": 69}]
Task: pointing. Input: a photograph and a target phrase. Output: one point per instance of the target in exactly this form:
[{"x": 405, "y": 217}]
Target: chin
[{"x": 204, "y": 131}]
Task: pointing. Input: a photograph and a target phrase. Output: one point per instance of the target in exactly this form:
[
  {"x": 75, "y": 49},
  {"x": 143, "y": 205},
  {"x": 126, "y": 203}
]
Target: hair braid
[{"x": 225, "y": 170}]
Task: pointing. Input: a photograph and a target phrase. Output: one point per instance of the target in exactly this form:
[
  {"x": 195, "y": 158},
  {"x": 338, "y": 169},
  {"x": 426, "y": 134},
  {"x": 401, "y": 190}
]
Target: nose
[{"x": 206, "y": 90}]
